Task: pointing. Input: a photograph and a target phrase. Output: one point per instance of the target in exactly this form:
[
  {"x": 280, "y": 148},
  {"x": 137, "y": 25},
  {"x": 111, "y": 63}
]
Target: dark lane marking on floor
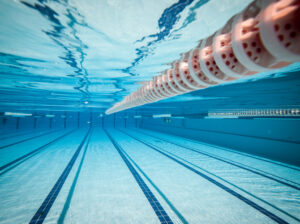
[
  {"x": 158, "y": 209},
  {"x": 20, "y": 160},
  {"x": 42, "y": 212},
  {"x": 179, "y": 215},
  {"x": 13, "y": 135},
  {"x": 225, "y": 188},
  {"x": 235, "y": 186},
  {"x": 27, "y": 139},
  {"x": 230, "y": 162},
  {"x": 239, "y": 134},
  {"x": 74, "y": 183},
  {"x": 237, "y": 152}
]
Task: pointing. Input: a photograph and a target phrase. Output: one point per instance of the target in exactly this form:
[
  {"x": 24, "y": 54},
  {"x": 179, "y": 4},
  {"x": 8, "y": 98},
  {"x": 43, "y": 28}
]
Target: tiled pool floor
[{"x": 139, "y": 176}]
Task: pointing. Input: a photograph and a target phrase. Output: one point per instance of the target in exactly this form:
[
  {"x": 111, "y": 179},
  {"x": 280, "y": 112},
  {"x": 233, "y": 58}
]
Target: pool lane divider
[
  {"x": 27, "y": 139},
  {"x": 42, "y": 212},
  {"x": 230, "y": 162},
  {"x": 23, "y": 158},
  {"x": 65, "y": 209},
  {"x": 262, "y": 210},
  {"x": 158, "y": 209}
]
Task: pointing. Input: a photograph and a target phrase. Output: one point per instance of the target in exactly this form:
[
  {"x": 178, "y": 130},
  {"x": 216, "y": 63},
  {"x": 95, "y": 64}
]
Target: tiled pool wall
[
  {"x": 66, "y": 120},
  {"x": 274, "y": 138}
]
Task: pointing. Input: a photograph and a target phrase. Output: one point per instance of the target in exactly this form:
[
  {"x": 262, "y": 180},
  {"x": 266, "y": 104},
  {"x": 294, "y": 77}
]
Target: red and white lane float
[{"x": 265, "y": 36}]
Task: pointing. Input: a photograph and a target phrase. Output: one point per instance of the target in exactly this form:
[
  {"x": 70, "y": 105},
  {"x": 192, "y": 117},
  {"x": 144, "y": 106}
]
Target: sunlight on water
[{"x": 62, "y": 53}]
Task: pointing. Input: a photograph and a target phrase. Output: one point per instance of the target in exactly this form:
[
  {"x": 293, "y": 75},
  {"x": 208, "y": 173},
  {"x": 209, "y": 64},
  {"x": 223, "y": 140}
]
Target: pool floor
[{"x": 95, "y": 175}]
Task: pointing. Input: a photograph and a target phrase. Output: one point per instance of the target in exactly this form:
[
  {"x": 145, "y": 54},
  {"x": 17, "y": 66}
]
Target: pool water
[
  {"x": 88, "y": 55},
  {"x": 225, "y": 154}
]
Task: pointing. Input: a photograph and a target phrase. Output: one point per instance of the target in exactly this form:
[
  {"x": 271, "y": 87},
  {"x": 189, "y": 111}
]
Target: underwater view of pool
[{"x": 223, "y": 150}]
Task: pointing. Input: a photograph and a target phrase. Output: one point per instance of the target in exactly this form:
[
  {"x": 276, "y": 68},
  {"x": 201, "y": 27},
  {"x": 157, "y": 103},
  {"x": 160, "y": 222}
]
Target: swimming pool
[{"x": 228, "y": 153}]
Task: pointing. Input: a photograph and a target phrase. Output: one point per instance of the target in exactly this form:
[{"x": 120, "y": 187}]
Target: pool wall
[{"x": 272, "y": 138}]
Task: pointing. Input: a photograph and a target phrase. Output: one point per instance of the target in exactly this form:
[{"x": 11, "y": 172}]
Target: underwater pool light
[
  {"x": 49, "y": 115},
  {"x": 265, "y": 36},
  {"x": 17, "y": 114},
  {"x": 161, "y": 115}
]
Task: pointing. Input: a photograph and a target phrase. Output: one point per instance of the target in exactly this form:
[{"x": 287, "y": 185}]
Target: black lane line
[
  {"x": 73, "y": 186},
  {"x": 226, "y": 181},
  {"x": 240, "y": 153},
  {"x": 42, "y": 212},
  {"x": 30, "y": 154},
  {"x": 179, "y": 215},
  {"x": 27, "y": 139},
  {"x": 242, "y": 135},
  {"x": 13, "y": 135},
  {"x": 225, "y": 188},
  {"x": 158, "y": 209},
  {"x": 230, "y": 162}
]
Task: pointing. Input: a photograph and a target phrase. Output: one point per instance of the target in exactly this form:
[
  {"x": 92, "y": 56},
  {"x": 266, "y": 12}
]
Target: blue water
[
  {"x": 225, "y": 154},
  {"x": 63, "y": 54}
]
